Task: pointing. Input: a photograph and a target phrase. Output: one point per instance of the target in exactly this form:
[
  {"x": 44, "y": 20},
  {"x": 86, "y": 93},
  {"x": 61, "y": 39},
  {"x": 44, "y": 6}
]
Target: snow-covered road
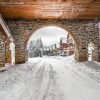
[{"x": 52, "y": 78}]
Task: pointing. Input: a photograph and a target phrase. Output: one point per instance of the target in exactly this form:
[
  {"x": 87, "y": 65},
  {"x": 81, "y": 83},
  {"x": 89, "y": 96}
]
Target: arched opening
[
  {"x": 51, "y": 41},
  {"x": 7, "y": 50}
]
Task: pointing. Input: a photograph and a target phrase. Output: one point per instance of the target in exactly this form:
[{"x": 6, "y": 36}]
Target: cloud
[{"x": 49, "y": 35}]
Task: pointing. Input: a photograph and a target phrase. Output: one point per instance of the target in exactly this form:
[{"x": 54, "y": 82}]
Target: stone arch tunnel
[
  {"x": 84, "y": 27},
  {"x": 58, "y": 70},
  {"x": 81, "y": 31}
]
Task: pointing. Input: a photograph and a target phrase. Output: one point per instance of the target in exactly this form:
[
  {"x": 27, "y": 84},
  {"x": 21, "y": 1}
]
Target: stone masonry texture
[{"x": 82, "y": 31}]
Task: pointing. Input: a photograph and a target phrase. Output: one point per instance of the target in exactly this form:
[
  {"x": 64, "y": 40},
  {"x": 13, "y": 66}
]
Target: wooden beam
[{"x": 51, "y": 10}]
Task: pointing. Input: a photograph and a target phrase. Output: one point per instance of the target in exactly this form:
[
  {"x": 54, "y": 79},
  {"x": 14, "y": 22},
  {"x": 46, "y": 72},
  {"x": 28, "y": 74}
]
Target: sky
[{"x": 49, "y": 35}]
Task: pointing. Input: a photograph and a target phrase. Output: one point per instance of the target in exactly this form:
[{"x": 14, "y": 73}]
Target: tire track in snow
[
  {"x": 31, "y": 85},
  {"x": 44, "y": 84},
  {"x": 51, "y": 77},
  {"x": 39, "y": 78},
  {"x": 54, "y": 92},
  {"x": 33, "y": 88},
  {"x": 49, "y": 87}
]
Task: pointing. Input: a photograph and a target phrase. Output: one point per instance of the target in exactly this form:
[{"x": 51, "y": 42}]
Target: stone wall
[
  {"x": 83, "y": 31},
  {"x": 2, "y": 51},
  {"x": 5, "y": 53},
  {"x": 96, "y": 41}
]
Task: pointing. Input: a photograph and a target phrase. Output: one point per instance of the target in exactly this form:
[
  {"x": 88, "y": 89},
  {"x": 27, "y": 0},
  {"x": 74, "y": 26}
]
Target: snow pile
[{"x": 91, "y": 68}]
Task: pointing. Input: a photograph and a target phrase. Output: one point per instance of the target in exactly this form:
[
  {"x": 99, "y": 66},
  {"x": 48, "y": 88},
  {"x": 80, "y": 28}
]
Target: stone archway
[
  {"x": 43, "y": 27},
  {"x": 78, "y": 55},
  {"x": 6, "y": 39},
  {"x": 5, "y": 53},
  {"x": 80, "y": 30}
]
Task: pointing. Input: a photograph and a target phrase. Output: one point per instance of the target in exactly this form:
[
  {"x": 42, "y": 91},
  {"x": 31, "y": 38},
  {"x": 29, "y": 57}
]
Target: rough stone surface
[
  {"x": 2, "y": 51},
  {"x": 83, "y": 32},
  {"x": 5, "y": 53}
]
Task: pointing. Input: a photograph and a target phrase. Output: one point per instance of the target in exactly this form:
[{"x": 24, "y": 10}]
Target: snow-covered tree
[{"x": 36, "y": 48}]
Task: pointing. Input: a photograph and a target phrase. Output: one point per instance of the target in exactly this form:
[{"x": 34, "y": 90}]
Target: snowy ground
[{"x": 51, "y": 78}]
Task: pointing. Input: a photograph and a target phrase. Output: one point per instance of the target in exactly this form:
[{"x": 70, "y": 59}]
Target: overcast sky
[{"x": 49, "y": 35}]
